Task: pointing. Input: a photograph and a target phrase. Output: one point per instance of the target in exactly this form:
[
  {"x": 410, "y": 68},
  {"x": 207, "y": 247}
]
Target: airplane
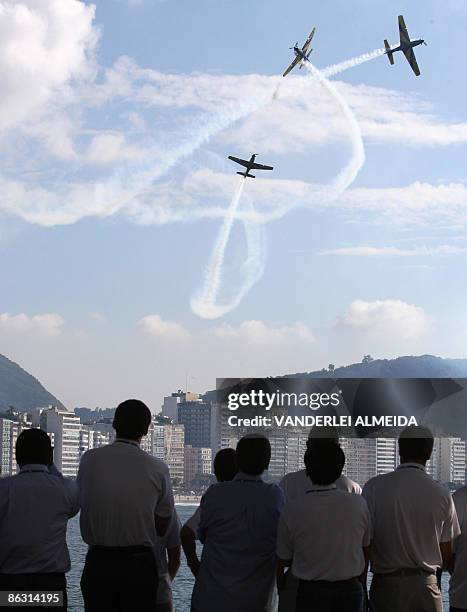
[
  {"x": 249, "y": 165},
  {"x": 406, "y": 47},
  {"x": 301, "y": 55}
]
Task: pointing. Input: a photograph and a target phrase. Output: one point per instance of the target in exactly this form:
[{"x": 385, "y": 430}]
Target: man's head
[
  {"x": 253, "y": 454},
  {"x": 322, "y": 434},
  {"x": 33, "y": 446},
  {"x": 324, "y": 463},
  {"x": 225, "y": 465},
  {"x": 415, "y": 444},
  {"x": 132, "y": 419}
]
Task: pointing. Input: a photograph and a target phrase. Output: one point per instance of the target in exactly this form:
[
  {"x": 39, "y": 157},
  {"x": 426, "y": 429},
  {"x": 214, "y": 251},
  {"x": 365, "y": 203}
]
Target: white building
[{"x": 66, "y": 427}]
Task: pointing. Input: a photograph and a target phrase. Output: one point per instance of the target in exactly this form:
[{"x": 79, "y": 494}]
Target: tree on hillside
[{"x": 367, "y": 359}]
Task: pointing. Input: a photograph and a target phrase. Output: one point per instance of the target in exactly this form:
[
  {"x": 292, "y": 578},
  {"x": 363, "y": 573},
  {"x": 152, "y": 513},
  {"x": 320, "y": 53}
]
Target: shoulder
[
  {"x": 376, "y": 483},
  {"x": 156, "y": 464}
]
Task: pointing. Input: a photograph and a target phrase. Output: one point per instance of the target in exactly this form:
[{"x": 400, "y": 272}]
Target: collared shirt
[
  {"x": 411, "y": 514},
  {"x": 238, "y": 528},
  {"x": 170, "y": 540},
  {"x": 296, "y": 484},
  {"x": 122, "y": 488},
  {"x": 35, "y": 506},
  {"x": 324, "y": 532},
  {"x": 458, "y": 582}
]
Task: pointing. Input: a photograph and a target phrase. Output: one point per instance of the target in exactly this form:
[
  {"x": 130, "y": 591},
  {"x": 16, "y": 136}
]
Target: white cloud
[
  {"x": 155, "y": 326},
  {"x": 386, "y": 319},
  {"x": 105, "y": 149},
  {"x": 258, "y": 332},
  {"x": 47, "y": 324},
  {"x": 391, "y": 251},
  {"x": 43, "y": 46}
]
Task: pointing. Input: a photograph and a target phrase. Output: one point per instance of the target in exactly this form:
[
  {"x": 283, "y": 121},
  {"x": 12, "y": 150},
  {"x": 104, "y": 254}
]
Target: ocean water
[{"x": 182, "y": 586}]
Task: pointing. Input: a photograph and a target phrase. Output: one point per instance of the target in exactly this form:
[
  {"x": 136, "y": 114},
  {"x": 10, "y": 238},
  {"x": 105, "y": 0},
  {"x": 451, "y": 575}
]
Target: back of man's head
[
  {"x": 415, "y": 444},
  {"x": 225, "y": 465},
  {"x": 322, "y": 434},
  {"x": 33, "y": 446},
  {"x": 324, "y": 463},
  {"x": 253, "y": 454},
  {"x": 132, "y": 419}
]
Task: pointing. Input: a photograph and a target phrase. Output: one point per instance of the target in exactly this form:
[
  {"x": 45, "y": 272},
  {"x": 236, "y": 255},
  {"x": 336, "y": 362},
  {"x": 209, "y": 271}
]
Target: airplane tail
[
  {"x": 389, "y": 53},
  {"x": 245, "y": 174}
]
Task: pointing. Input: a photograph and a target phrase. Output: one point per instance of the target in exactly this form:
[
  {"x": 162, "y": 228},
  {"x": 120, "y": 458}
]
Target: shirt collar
[
  {"x": 315, "y": 487},
  {"x": 409, "y": 464},
  {"x": 242, "y": 477},
  {"x": 125, "y": 441},
  {"x": 34, "y": 467}
]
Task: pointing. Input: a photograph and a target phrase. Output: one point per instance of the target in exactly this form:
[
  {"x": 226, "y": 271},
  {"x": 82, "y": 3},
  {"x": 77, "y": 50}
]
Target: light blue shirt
[
  {"x": 35, "y": 506},
  {"x": 238, "y": 528}
]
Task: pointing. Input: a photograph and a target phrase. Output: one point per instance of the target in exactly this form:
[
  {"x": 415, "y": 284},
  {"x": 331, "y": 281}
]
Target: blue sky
[{"x": 116, "y": 124}]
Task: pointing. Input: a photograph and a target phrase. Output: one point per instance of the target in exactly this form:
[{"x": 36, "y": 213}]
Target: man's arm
[
  {"x": 281, "y": 573},
  {"x": 165, "y": 506},
  {"x": 173, "y": 561},
  {"x": 188, "y": 538},
  {"x": 447, "y": 554}
]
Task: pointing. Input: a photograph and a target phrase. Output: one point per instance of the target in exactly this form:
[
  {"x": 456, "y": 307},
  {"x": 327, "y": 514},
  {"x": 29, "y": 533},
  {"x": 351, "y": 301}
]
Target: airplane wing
[
  {"x": 403, "y": 33},
  {"x": 242, "y": 162},
  {"x": 296, "y": 61},
  {"x": 261, "y": 167},
  {"x": 308, "y": 40},
  {"x": 410, "y": 55}
]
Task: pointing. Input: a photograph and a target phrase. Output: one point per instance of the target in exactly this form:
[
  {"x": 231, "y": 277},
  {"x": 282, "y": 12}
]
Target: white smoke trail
[
  {"x": 205, "y": 304},
  {"x": 334, "y": 69},
  {"x": 349, "y": 173}
]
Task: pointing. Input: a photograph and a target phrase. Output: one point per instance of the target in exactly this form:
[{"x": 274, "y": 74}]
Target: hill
[
  {"x": 20, "y": 389},
  {"x": 424, "y": 366}
]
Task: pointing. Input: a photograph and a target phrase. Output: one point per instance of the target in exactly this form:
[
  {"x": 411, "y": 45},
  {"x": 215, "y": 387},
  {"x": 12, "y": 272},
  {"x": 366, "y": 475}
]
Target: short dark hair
[
  {"x": 324, "y": 463},
  {"x": 33, "y": 446},
  {"x": 253, "y": 454},
  {"x": 225, "y": 464},
  {"x": 132, "y": 419},
  {"x": 416, "y": 443}
]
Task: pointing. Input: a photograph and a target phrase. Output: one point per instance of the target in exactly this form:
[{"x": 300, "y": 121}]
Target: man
[
  {"x": 295, "y": 485},
  {"x": 167, "y": 553},
  {"x": 225, "y": 469},
  {"x": 414, "y": 524},
  {"x": 238, "y": 528},
  {"x": 35, "y": 506},
  {"x": 324, "y": 536},
  {"x": 458, "y": 582},
  {"x": 126, "y": 502}
]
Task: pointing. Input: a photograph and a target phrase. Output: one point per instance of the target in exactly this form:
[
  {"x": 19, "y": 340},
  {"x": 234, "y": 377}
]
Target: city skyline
[{"x": 116, "y": 182}]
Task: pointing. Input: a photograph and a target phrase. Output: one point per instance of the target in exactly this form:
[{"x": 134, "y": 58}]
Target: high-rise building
[
  {"x": 65, "y": 427},
  {"x": 360, "y": 458},
  {"x": 168, "y": 444},
  {"x": 200, "y": 420},
  {"x": 198, "y": 465},
  {"x": 6, "y": 446},
  {"x": 89, "y": 438}
]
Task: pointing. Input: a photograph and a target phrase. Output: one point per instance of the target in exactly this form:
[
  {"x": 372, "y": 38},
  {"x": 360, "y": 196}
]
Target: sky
[{"x": 130, "y": 263}]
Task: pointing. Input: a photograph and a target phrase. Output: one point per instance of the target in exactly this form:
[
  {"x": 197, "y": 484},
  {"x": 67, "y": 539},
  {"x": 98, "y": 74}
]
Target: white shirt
[
  {"x": 324, "y": 532},
  {"x": 238, "y": 528},
  {"x": 296, "y": 484},
  {"x": 35, "y": 506},
  {"x": 193, "y": 521},
  {"x": 122, "y": 488},
  {"x": 170, "y": 540},
  {"x": 411, "y": 514},
  {"x": 458, "y": 582}
]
